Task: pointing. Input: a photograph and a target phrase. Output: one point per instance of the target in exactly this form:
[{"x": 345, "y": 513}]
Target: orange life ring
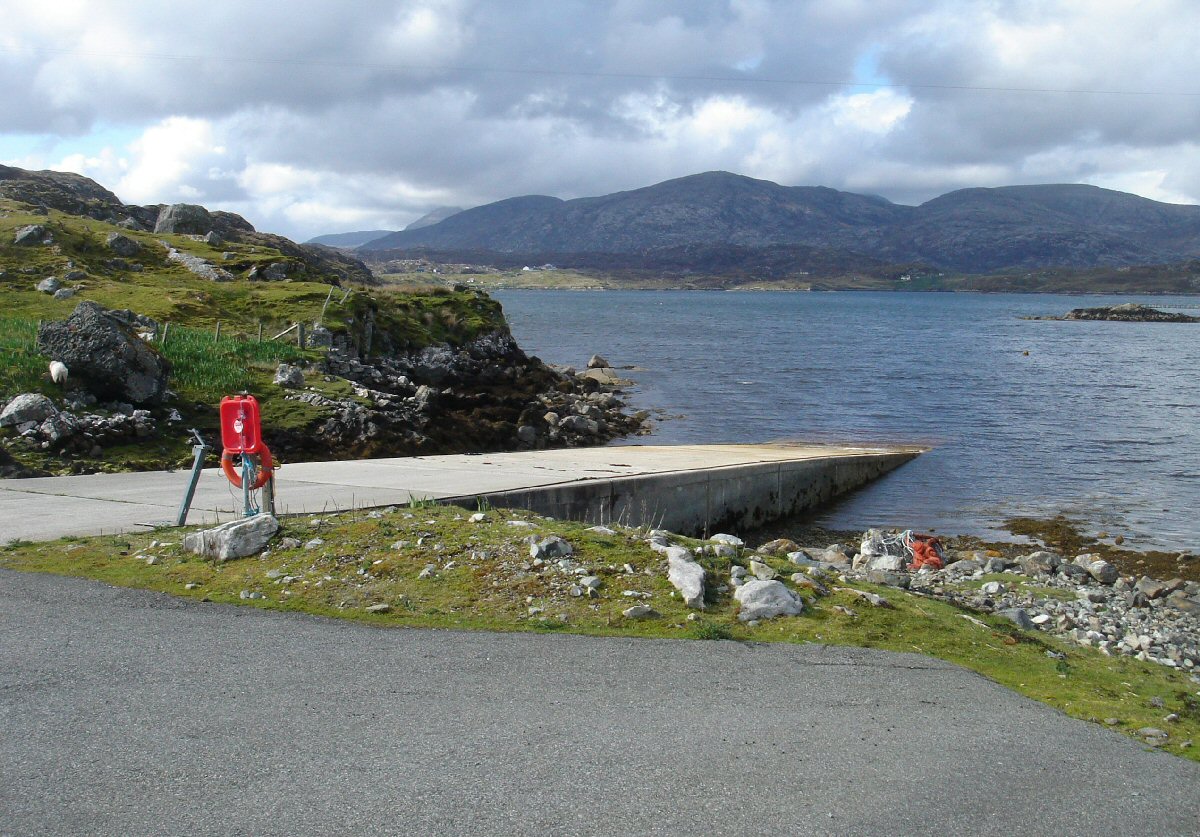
[{"x": 265, "y": 468}]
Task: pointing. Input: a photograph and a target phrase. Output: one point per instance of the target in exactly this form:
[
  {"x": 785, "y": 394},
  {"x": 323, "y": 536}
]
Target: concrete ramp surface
[{"x": 686, "y": 488}]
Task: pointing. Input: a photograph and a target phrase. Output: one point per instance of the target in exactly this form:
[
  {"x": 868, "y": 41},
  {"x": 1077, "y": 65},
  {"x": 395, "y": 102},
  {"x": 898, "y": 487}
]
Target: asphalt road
[{"x": 125, "y": 712}]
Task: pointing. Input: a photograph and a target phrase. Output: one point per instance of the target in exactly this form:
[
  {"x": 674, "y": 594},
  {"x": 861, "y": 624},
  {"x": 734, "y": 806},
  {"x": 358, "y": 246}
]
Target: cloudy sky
[{"x": 315, "y": 116}]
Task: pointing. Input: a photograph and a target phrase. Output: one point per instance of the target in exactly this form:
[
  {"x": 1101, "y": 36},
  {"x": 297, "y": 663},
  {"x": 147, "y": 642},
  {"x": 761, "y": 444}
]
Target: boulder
[
  {"x": 779, "y": 546},
  {"x": 597, "y": 362},
  {"x": 1074, "y": 572},
  {"x": 64, "y": 293},
  {"x": 1039, "y": 563},
  {"x": 686, "y": 576},
  {"x": 122, "y": 245},
  {"x": 887, "y": 563},
  {"x": 766, "y": 600},
  {"x": 728, "y": 540},
  {"x": 1103, "y": 572},
  {"x": 185, "y": 218},
  {"x": 551, "y": 547},
  {"x": 1019, "y": 617},
  {"x": 106, "y": 355},
  {"x": 49, "y": 285},
  {"x": 762, "y": 571},
  {"x": 289, "y": 376},
  {"x": 30, "y": 235},
  {"x": 236, "y": 539},
  {"x": 29, "y": 406},
  {"x": 640, "y": 611}
]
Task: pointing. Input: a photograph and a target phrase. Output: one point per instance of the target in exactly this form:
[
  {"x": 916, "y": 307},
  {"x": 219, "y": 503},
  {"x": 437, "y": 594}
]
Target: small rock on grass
[
  {"x": 1019, "y": 617},
  {"x": 765, "y": 600},
  {"x": 379, "y": 608},
  {"x": 640, "y": 612}
]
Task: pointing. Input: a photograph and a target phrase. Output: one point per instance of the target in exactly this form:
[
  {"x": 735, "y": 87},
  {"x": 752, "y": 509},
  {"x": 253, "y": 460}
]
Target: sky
[{"x": 321, "y": 116}]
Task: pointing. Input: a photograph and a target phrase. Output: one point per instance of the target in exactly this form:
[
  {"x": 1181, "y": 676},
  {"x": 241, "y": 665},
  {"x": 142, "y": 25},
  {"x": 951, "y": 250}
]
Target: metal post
[
  {"x": 249, "y": 474},
  {"x": 198, "y": 450},
  {"x": 162, "y": 340},
  {"x": 268, "y": 496}
]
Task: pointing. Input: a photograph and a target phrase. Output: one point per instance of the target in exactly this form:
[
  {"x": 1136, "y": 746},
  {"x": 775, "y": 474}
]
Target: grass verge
[{"x": 479, "y": 576}]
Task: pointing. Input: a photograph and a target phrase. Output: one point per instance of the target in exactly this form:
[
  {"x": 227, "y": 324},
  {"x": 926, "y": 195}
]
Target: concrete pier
[{"x": 687, "y": 488}]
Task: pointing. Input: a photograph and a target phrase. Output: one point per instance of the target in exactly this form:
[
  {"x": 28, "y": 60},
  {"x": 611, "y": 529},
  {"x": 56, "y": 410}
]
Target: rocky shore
[{"x": 484, "y": 395}]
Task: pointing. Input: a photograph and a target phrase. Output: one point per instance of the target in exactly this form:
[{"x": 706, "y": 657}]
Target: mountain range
[{"x": 978, "y": 230}]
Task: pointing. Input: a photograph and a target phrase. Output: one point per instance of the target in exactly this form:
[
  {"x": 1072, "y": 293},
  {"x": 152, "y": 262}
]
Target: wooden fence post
[
  {"x": 217, "y": 333},
  {"x": 162, "y": 340},
  {"x": 300, "y": 335},
  {"x": 260, "y": 331}
]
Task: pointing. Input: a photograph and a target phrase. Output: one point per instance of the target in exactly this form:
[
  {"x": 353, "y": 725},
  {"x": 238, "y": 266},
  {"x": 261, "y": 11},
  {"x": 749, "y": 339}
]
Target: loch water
[{"x": 1097, "y": 420}]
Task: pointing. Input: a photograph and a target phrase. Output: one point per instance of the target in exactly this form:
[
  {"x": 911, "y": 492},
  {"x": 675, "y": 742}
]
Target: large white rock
[
  {"x": 766, "y": 600},
  {"x": 686, "y": 575},
  {"x": 29, "y": 406},
  {"x": 892, "y": 563},
  {"x": 729, "y": 540},
  {"x": 236, "y": 539}
]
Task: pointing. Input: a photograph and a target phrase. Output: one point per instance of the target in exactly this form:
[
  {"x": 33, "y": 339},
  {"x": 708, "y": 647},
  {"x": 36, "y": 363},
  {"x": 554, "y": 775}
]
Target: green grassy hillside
[{"x": 372, "y": 320}]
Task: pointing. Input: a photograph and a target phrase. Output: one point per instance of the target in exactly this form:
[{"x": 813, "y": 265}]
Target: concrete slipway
[{"x": 688, "y": 488}]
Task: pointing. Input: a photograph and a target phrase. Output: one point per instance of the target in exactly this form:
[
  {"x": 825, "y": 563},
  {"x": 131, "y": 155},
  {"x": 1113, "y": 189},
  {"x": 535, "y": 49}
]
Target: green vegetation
[
  {"x": 482, "y": 578},
  {"x": 374, "y": 321}
]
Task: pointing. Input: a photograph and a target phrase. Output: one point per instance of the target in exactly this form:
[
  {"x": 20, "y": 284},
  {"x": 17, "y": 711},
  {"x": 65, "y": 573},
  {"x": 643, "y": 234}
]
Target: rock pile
[
  {"x": 1083, "y": 599},
  {"x": 485, "y": 394},
  {"x": 41, "y": 425}
]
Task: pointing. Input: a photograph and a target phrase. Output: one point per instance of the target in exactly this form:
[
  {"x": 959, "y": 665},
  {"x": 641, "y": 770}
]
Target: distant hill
[
  {"x": 436, "y": 216},
  {"x": 348, "y": 240},
  {"x": 970, "y": 230}
]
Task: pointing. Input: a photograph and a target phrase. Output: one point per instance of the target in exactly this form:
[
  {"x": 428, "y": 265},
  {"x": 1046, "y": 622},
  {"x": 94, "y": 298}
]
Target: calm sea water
[{"x": 1097, "y": 420}]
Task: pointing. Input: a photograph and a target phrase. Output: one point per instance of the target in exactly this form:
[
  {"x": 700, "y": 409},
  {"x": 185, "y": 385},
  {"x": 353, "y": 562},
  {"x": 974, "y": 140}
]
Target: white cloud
[{"x": 308, "y": 117}]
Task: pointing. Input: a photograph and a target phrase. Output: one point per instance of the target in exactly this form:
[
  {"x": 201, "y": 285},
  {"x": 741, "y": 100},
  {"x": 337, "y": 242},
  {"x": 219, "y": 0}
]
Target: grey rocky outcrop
[
  {"x": 27, "y": 407},
  {"x": 30, "y": 235},
  {"x": 686, "y": 575},
  {"x": 49, "y": 285},
  {"x": 184, "y": 218},
  {"x": 289, "y": 376},
  {"x": 766, "y": 600},
  {"x": 106, "y": 355},
  {"x": 201, "y": 267},
  {"x": 122, "y": 245},
  {"x": 1130, "y": 312},
  {"x": 236, "y": 539}
]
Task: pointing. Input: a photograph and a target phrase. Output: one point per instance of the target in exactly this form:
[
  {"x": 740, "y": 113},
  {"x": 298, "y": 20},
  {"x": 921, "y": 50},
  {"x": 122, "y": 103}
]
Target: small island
[{"x": 1129, "y": 312}]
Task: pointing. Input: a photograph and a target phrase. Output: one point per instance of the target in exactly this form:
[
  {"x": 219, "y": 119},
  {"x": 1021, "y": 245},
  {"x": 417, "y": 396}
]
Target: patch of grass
[
  {"x": 483, "y": 578},
  {"x": 709, "y": 630}
]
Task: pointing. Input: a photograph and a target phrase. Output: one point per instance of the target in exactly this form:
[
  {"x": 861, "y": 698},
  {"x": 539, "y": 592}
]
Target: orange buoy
[{"x": 265, "y": 470}]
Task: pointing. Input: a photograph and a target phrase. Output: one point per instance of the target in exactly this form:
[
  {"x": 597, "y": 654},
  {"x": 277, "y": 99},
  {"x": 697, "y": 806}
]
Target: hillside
[
  {"x": 207, "y": 306},
  {"x": 348, "y": 240},
  {"x": 973, "y": 231}
]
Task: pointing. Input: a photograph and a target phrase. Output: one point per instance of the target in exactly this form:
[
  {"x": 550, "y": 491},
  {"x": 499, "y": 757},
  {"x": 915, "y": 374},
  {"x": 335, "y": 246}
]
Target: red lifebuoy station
[{"x": 241, "y": 437}]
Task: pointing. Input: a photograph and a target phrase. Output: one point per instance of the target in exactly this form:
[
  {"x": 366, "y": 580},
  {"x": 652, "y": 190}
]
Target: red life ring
[{"x": 265, "y": 470}]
